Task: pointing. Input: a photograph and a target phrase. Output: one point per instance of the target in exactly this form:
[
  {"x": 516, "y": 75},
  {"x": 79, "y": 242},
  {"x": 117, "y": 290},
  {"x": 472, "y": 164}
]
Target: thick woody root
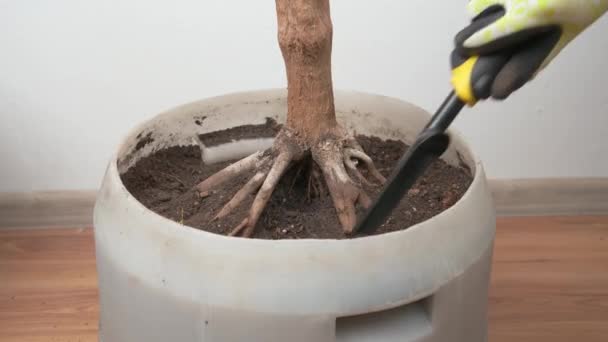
[
  {"x": 271, "y": 166},
  {"x": 232, "y": 171},
  {"x": 280, "y": 165},
  {"x": 335, "y": 156}
]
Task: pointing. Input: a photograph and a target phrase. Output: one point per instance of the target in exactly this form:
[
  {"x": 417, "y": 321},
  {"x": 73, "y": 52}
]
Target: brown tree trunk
[{"x": 305, "y": 38}]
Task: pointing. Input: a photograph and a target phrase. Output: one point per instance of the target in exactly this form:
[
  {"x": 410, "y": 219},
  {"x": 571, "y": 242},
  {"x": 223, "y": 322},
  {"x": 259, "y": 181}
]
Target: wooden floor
[{"x": 549, "y": 283}]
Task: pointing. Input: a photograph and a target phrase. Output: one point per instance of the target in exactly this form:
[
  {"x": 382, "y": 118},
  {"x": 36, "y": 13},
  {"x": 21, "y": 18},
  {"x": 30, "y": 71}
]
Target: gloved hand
[{"x": 532, "y": 32}]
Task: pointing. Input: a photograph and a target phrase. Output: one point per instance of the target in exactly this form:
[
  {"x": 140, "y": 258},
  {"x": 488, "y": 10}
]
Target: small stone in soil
[
  {"x": 413, "y": 192},
  {"x": 164, "y": 197}
]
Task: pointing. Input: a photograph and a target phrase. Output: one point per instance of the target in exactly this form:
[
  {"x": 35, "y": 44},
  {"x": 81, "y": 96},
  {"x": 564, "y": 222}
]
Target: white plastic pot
[{"x": 161, "y": 281}]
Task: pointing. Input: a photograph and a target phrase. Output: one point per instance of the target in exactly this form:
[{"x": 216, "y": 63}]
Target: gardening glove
[{"x": 531, "y": 32}]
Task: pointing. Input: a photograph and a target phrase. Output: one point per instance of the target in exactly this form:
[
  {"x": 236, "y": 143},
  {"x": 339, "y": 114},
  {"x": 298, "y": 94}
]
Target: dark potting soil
[{"x": 164, "y": 181}]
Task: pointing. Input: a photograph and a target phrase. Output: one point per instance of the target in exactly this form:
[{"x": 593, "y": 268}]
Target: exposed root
[
  {"x": 237, "y": 230},
  {"x": 309, "y": 188},
  {"x": 317, "y": 182},
  {"x": 271, "y": 166},
  {"x": 351, "y": 165},
  {"x": 231, "y": 171},
  {"x": 273, "y": 178},
  {"x": 334, "y": 158},
  {"x": 314, "y": 186},
  {"x": 335, "y": 155},
  {"x": 249, "y": 188},
  {"x": 295, "y": 177},
  {"x": 364, "y": 199},
  {"x": 269, "y": 182},
  {"x": 359, "y": 154}
]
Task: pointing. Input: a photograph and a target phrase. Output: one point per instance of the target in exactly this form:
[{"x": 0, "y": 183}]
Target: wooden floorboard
[
  {"x": 48, "y": 286},
  {"x": 549, "y": 282}
]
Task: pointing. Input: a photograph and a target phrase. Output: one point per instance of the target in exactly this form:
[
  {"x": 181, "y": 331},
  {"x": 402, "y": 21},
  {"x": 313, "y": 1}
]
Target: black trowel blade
[
  {"x": 429, "y": 145},
  {"x": 409, "y": 168}
]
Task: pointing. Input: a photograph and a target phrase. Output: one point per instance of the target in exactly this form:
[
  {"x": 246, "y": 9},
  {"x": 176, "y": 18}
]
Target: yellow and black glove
[{"x": 528, "y": 33}]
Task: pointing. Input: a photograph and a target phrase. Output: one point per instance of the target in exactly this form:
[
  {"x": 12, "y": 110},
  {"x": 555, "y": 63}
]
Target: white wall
[{"x": 76, "y": 75}]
